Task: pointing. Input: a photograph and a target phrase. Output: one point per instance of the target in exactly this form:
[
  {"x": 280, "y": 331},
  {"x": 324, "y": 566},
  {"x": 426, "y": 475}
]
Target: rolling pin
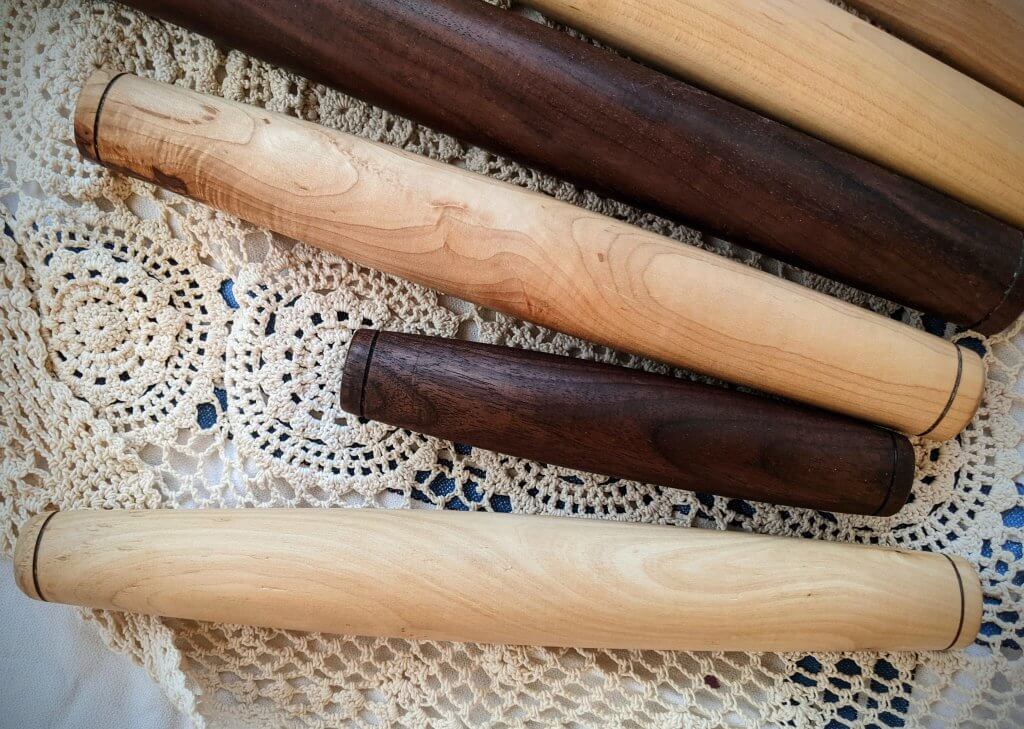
[
  {"x": 500, "y": 578},
  {"x": 821, "y": 69},
  {"x": 519, "y": 88},
  {"x": 982, "y": 38},
  {"x": 627, "y": 423},
  {"x": 527, "y": 255}
]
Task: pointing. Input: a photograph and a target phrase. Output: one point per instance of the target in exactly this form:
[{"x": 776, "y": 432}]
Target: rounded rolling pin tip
[
  {"x": 1009, "y": 309},
  {"x": 903, "y": 468},
  {"x": 25, "y": 552},
  {"x": 966, "y": 390},
  {"x": 87, "y": 111},
  {"x": 971, "y": 600}
]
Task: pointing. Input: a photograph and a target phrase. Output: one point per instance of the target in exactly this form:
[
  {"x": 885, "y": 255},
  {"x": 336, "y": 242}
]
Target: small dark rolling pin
[
  {"x": 627, "y": 423},
  {"x": 513, "y": 86}
]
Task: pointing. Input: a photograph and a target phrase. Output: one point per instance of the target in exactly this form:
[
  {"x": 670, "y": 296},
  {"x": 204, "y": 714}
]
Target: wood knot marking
[
  {"x": 449, "y": 205},
  {"x": 171, "y": 182}
]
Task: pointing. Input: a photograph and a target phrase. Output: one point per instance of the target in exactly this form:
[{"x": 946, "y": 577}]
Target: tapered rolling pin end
[
  {"x": 903, "y": 468},
  {"x": 25, "y": 552},
  {"x": 87, "y": 111},
  {"x": 971, "y": 600},
  {"x": 968, "y": 386},
  {"x": 1011, "y": 306},
  {"x": 357, "y": 367}
]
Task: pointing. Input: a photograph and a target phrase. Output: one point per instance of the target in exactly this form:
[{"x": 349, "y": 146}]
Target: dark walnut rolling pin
[
  {"x": 626, "y": 423},
  {"x": 528, "y": 255},
  {"x": 516, "y": 87},
  {"x": 500, "y": 578},
  {"x": 821, "y": 69}
]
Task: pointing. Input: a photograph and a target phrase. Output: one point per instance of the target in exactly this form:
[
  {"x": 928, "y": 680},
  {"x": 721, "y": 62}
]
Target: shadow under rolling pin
[
  {"x": 500, "y": 578},
  {"x": 529, "y": 256},
  {"x": 626, "y": 423}
]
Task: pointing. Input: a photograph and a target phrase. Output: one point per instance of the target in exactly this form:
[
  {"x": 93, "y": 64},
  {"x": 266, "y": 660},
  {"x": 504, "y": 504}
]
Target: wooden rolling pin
[
  {"x": 516, "y": 87},
  {"x": 626, "y": 423},
  {"x": 825, "y": 71},
  {"x": 528, "y": 255},
  {"x": 501, "y": 578},
  {"x": 982, "y": 38}
]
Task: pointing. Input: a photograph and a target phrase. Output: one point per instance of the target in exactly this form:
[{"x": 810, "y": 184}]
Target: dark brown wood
[
  {"x": 626, "y": 423},
  {"x": 501, "y": 81}
]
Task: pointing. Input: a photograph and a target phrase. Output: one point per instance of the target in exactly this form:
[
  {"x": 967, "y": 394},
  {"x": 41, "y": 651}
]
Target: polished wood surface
[
  {"x": 626, "y": 423},
  {"x": 503, "y": 578},
  {"x": 513, "y": 86},
  {"x": 825, "y": 71},
  {"x": 530, "y": 256},
  {"x": 982, "y": 38}
]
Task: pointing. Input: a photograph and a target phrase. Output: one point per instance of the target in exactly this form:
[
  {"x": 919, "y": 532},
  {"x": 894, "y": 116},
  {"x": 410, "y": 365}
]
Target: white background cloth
[{"x": 57, "y": 672}]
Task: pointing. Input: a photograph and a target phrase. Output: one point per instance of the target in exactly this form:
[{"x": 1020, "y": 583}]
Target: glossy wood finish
[
  {"x": 508, "y": 84},
  {"x": 982, "y": 38},
  {"x": 530, "y": 256},
  {"x": 504, "y": 578},
  {"x": 813, "y": 65},
  {"x": 626, "y": 423}
]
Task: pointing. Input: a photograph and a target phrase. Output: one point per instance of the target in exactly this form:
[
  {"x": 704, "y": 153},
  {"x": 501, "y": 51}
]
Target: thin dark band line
[
  {"x": 960, "y": 584},
  {"x": 96, "y": 119},
  {"x": 366, "y": 372},
  {"x": 35, "y": 556},
  {"x": 952, "y": 394},
  {"x": 892, "y": 474}
]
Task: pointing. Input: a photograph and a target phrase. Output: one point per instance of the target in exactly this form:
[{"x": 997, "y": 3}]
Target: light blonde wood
[
  {"x": 497, "y": 578},
  {"x": 24, "y": 554},
  {"x": 533, "y": 257},
  {"x": 825, "y": 71},
  {"x": 983, "y": 38}
]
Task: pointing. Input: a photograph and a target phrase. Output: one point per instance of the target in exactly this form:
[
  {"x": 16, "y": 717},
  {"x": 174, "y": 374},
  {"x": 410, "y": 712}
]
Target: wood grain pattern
[
  {"x": 533, "y": 257},
  {"x": 815, "y": 66},
  {"x": 982, "y": 38},
  {"x": 503, "y": 578},
  {"x": 511, "y": 85},
  {"x": 626, "y": 423}
]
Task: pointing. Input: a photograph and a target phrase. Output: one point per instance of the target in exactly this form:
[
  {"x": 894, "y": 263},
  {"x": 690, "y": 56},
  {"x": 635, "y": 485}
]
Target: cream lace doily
[{"x": 156, "y": 353}]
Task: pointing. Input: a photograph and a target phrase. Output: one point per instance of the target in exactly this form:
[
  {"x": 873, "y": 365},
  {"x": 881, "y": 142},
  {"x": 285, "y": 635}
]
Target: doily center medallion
[
  {"x": 285, "y": 383},
  {"x": 134, "y": 327}
]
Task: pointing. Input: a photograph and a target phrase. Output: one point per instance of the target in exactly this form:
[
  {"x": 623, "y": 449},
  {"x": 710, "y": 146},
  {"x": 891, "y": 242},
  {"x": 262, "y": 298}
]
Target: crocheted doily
[{"x": 158, "y": 354}]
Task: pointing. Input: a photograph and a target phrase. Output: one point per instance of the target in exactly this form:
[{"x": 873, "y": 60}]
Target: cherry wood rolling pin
[
  {"x": 516, "y": 87},
  {"x": 528, "y": 255},
  {"x": 982, "y": 38},
  {"x": 626, "y": 423},
  {"x": 500, "y": 578},
  {"x": 823, "y": 70}
]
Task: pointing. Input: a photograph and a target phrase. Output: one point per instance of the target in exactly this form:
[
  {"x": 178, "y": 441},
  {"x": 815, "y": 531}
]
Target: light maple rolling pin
[
  {"x": 825, "y": 71},
  {"x": 528, "y": 255},
  {"x": 606, "y": 123},
  {"x": 501, "y": 578},
  {"x": 983, "y": 38}
]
